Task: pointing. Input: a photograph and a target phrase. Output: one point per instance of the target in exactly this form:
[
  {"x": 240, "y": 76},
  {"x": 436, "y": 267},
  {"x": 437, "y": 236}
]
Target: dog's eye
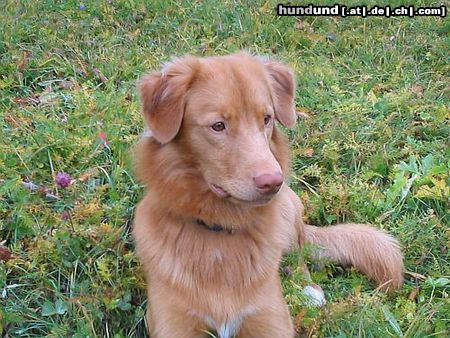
[
  {"x": 218, "y": 126},
  {"x": 267, "y": 119}
]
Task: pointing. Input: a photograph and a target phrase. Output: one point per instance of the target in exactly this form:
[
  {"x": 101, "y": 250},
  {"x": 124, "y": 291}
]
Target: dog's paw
[{"x": 315, "y": 295}]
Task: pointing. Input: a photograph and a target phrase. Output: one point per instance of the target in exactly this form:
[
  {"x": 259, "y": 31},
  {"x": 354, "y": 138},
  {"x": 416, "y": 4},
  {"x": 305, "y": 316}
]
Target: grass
[{"x": 371, "y": 146}]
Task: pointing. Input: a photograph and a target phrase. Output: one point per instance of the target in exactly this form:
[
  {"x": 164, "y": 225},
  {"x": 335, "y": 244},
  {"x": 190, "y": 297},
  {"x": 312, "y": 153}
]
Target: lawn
[{"x": 371, "y": 145}]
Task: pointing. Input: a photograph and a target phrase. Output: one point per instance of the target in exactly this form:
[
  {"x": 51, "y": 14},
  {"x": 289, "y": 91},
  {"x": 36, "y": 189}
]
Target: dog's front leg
[
  {"x": 163, "y": 326},
  {"x": 272, "y": 321},
  {"x": 272, "y": 318},
  {"x": 167, "y": 321}
]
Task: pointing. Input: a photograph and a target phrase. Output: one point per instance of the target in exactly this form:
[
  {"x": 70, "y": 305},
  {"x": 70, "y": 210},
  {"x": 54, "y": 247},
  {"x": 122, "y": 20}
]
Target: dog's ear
[
  {"x": 163, "y": 97},
  {"x": 283, "y": 84}
]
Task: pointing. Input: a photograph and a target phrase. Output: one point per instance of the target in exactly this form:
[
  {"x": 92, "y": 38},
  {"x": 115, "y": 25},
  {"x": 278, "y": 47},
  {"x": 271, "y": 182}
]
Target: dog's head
[{"x": 222, "y": 111}]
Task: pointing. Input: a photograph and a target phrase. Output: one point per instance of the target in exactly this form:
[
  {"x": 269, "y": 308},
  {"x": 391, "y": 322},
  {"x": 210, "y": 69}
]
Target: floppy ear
[
  {"x": 163, "y": 97},
  {"x": 283, "y": 85}
]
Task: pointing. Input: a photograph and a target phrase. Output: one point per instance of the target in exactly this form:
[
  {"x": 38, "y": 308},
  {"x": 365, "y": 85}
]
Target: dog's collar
[{"x": 215, "y": 227}]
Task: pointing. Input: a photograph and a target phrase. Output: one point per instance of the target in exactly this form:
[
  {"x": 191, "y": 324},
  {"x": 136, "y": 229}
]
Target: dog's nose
[{"x": 268, "y": 183}]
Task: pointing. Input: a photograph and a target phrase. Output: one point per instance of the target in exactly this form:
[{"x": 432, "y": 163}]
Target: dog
[{"x": 218, "y": 215}]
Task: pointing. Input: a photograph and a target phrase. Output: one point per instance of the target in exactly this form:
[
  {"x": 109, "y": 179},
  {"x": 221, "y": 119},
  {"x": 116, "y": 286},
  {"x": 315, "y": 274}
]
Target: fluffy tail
[{"x": 370, "y": 250}]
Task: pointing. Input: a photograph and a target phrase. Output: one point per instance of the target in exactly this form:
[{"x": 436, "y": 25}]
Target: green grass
[{"x": 374, "y": 149}]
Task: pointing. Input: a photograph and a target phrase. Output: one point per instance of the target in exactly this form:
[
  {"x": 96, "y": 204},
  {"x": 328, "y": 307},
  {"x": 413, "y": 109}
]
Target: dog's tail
[{"x": 369, "y": 250}]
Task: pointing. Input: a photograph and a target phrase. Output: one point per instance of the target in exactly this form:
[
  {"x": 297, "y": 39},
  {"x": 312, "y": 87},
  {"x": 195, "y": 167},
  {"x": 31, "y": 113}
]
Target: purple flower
[
  {"x": 62, "y": 179},
  {"x": 65, "y": 215},
  {"x": 82, "y": 6}
]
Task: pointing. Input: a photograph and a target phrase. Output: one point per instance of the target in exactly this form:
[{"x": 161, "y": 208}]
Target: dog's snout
[{"x": 268, "y": 183}]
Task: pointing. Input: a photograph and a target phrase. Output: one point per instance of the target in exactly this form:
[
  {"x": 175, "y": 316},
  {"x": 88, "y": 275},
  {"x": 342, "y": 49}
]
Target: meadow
[{"x": 371, "y": 145}]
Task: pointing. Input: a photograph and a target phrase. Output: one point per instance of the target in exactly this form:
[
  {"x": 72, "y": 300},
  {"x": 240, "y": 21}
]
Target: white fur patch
[
  {"x": 147, "y": 133},
  {"x": 315, "y": 295},
  {"x": 230, "y": 327},
  {"x": 217, "y": 255}
]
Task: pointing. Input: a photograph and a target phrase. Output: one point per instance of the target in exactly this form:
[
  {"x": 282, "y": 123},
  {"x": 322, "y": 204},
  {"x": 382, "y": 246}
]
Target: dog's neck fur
[{"x": 182, "y": 192}]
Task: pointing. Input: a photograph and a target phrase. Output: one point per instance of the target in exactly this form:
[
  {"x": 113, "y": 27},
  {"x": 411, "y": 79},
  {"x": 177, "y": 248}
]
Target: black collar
[{"x": 214, "y": 227}]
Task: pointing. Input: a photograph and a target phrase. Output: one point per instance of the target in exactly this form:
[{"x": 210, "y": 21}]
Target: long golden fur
[{"x": 200, "y": 175}]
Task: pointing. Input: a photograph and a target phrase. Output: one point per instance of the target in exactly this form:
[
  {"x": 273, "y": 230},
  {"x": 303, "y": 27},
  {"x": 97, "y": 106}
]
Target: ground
[{"x": 371, "y": 146}]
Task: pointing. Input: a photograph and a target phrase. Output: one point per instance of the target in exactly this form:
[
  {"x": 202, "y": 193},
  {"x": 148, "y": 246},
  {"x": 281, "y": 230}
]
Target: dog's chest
[{"x": 201, "y": 259}]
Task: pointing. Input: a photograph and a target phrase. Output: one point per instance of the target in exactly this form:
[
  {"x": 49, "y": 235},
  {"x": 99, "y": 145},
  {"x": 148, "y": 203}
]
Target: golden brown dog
[{"x": 218, "y": 216}]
